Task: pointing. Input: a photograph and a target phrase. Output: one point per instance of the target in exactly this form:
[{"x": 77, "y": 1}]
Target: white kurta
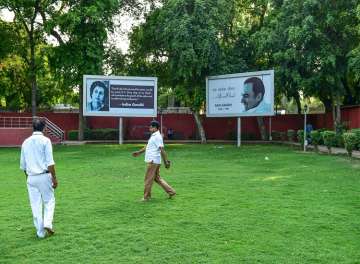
[
  {"x": 36, "y": 156},
  {"x": 152, "y": 153}
]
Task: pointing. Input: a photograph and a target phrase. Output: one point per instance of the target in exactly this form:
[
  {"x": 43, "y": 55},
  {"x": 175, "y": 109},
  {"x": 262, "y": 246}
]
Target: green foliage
[
  {"x": 356, "y": 131},
  {"x": 301, "y": 41},
  {"x": 339, "y": 140},
  {"x": 8, "y": 39},
  {"x": 244, "y": 136},
  {"x": 291, "y": 135},
  {"x": 181, "y": 42},
  {"x": 15, "y": 88},
  {"x": 95, "y": 134},
  {"x": 341, "y": 127},
  {"x": 350, "y": 141},
  {"x": 300, "y": 137},
  {"x": 313, "y": 46},
  {"x": 354, "y": 60},
  {"x": 329, "y": 138},
  {"x": 316, "y": 138},
  {"x": 86, "y": 23},
  {"x": 275, "y": 135},
  {"x": 283, "y": 136}
]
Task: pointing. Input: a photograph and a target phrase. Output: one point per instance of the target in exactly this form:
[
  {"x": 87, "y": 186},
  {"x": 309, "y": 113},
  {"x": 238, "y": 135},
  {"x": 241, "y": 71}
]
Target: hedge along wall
[{"x": 184, "y": 125}]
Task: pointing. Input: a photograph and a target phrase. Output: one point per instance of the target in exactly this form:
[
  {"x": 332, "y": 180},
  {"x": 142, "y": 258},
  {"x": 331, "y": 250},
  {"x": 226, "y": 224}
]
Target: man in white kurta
[
  {"x": 38, "y": 164},
  {"x": 154, "y": 150}
]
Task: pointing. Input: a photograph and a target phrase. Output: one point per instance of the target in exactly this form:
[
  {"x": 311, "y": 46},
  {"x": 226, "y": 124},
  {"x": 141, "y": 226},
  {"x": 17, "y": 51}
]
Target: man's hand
[
  {"x": 167, "y": 164},
  {"x": 54, "y": 182},
  {"x": 136, "y": 153}
]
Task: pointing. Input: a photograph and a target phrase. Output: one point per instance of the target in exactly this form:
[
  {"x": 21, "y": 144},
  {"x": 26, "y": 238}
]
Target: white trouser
[{"x": 41, "y": 191}]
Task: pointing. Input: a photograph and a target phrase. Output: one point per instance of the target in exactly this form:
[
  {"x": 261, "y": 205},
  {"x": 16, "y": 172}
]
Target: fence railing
[
  {"x": 54, "y": 129},
  {"x": 15, "y": 122},
  {"x": 26, "y": 122}
]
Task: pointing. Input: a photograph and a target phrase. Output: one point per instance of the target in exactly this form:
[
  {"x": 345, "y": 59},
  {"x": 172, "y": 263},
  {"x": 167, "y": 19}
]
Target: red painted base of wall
[{"x": 14, "y": 136}]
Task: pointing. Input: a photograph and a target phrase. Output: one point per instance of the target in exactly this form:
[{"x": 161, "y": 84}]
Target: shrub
[
  {"x": 341, "y": 128},
  {"x": 291, "y": 135},
  {"x": 72, "y": 135},
  {"x": 248, "y": 136},
  {"x": 275, "y": 135},
  {"x": 356, "y": 131},
  {"x": 329, "y": 138},
  {"x": 283, "y": 136},
  {"x": 315, "y": 139},
  {"x": 231, "y": 135},
  {"x": 300, "y": 137},
  {"x": 95, "y": 134},
  {"x": 350, "y": 142},
  {"x": 339, "y": 140}
]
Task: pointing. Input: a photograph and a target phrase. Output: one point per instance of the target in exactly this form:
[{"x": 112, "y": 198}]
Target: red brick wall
[
  {"x": 184, "y": 125},
  {"x": 14, "y": 137},
  {"x": 353, "y": 116}
]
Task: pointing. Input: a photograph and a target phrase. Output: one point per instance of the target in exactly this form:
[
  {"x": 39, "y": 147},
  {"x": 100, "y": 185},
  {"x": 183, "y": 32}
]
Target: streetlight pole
[{"x": 305, "y": 140}]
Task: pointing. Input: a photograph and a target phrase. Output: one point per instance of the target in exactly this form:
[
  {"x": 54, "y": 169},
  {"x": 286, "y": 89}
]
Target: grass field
[{"x": 233, "y": 206}]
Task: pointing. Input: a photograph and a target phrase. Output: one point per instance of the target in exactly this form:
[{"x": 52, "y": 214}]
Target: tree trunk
[
  {"x": 338, "y": 112},
  {"x": 327, "y": 104},
  {"x": 334, "y": 116},
  {"x": 298, "y": 103},
  {"x": 32, "y": 74},
  {"x": 261, "y": 124},
  {"x": 200, "y": 127}
]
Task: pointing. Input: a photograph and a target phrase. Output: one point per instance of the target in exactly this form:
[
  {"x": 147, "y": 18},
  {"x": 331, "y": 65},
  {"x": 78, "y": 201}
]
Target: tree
[
  {"x": 7, "y": 39},
  {"x": 354, "y": 68},
  {"x": 181, "y": 42},
  {"x": 86, "y": 25},
  {"x": 26, "y": 13},
  {"x": 15, "y": 72},
  {"x": 309, "y": 42},
  {"x": 32, "y": 32}
]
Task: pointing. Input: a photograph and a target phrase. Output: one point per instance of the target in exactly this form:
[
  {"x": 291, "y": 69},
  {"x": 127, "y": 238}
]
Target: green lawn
[{"x": 233, "y": 206}]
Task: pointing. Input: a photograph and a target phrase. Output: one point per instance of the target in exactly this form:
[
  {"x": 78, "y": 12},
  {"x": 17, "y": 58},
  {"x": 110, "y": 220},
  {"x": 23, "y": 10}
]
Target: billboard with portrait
[
  {"x": 120, "y": 96},
  {"x": 241, "y": 94}
]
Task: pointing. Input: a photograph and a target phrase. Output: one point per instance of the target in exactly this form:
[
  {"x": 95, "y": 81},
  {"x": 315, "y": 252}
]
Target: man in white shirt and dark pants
[
  {"x": 154, "y": 150},
  {"x": 38, "y": 164}
]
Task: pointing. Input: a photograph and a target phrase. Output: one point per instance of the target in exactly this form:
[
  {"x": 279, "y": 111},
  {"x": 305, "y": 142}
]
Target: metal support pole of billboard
[
  {"x": 238, "y": 131},
  {"x": 121, "y": 138},
  {"x": 305, "y": 140},
  {"x": 270, "y": 136}
]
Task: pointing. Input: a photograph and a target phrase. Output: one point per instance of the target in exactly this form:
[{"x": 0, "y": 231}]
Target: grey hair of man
[{"x": 38, "y": 124}]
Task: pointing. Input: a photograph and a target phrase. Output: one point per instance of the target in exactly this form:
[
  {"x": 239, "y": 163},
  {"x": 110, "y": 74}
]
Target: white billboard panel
[
  {"x": 120, "y": 96},
  {"x": 241, "y": 94}
]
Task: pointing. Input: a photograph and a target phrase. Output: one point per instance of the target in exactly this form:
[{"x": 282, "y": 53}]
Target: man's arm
[
  {"x": 51, "y": 169},
  {"x": 137, "y": 153},
  {"x": 50, "y": 163},
  {"x": 164, "y": 157},
  {"x": 23, "y": 162}
]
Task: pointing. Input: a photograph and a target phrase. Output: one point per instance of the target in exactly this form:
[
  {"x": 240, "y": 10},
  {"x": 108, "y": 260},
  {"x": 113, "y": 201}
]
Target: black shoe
[{"x": 49, "y": 231}]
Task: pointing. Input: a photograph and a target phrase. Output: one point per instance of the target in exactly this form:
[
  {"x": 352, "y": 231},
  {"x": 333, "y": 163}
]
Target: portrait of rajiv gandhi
[{"x": 253, "y": 94}]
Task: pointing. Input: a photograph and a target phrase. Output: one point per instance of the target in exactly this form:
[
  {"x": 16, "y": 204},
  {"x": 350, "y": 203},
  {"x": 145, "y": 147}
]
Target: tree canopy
[{"x": 313, "y": 45}]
